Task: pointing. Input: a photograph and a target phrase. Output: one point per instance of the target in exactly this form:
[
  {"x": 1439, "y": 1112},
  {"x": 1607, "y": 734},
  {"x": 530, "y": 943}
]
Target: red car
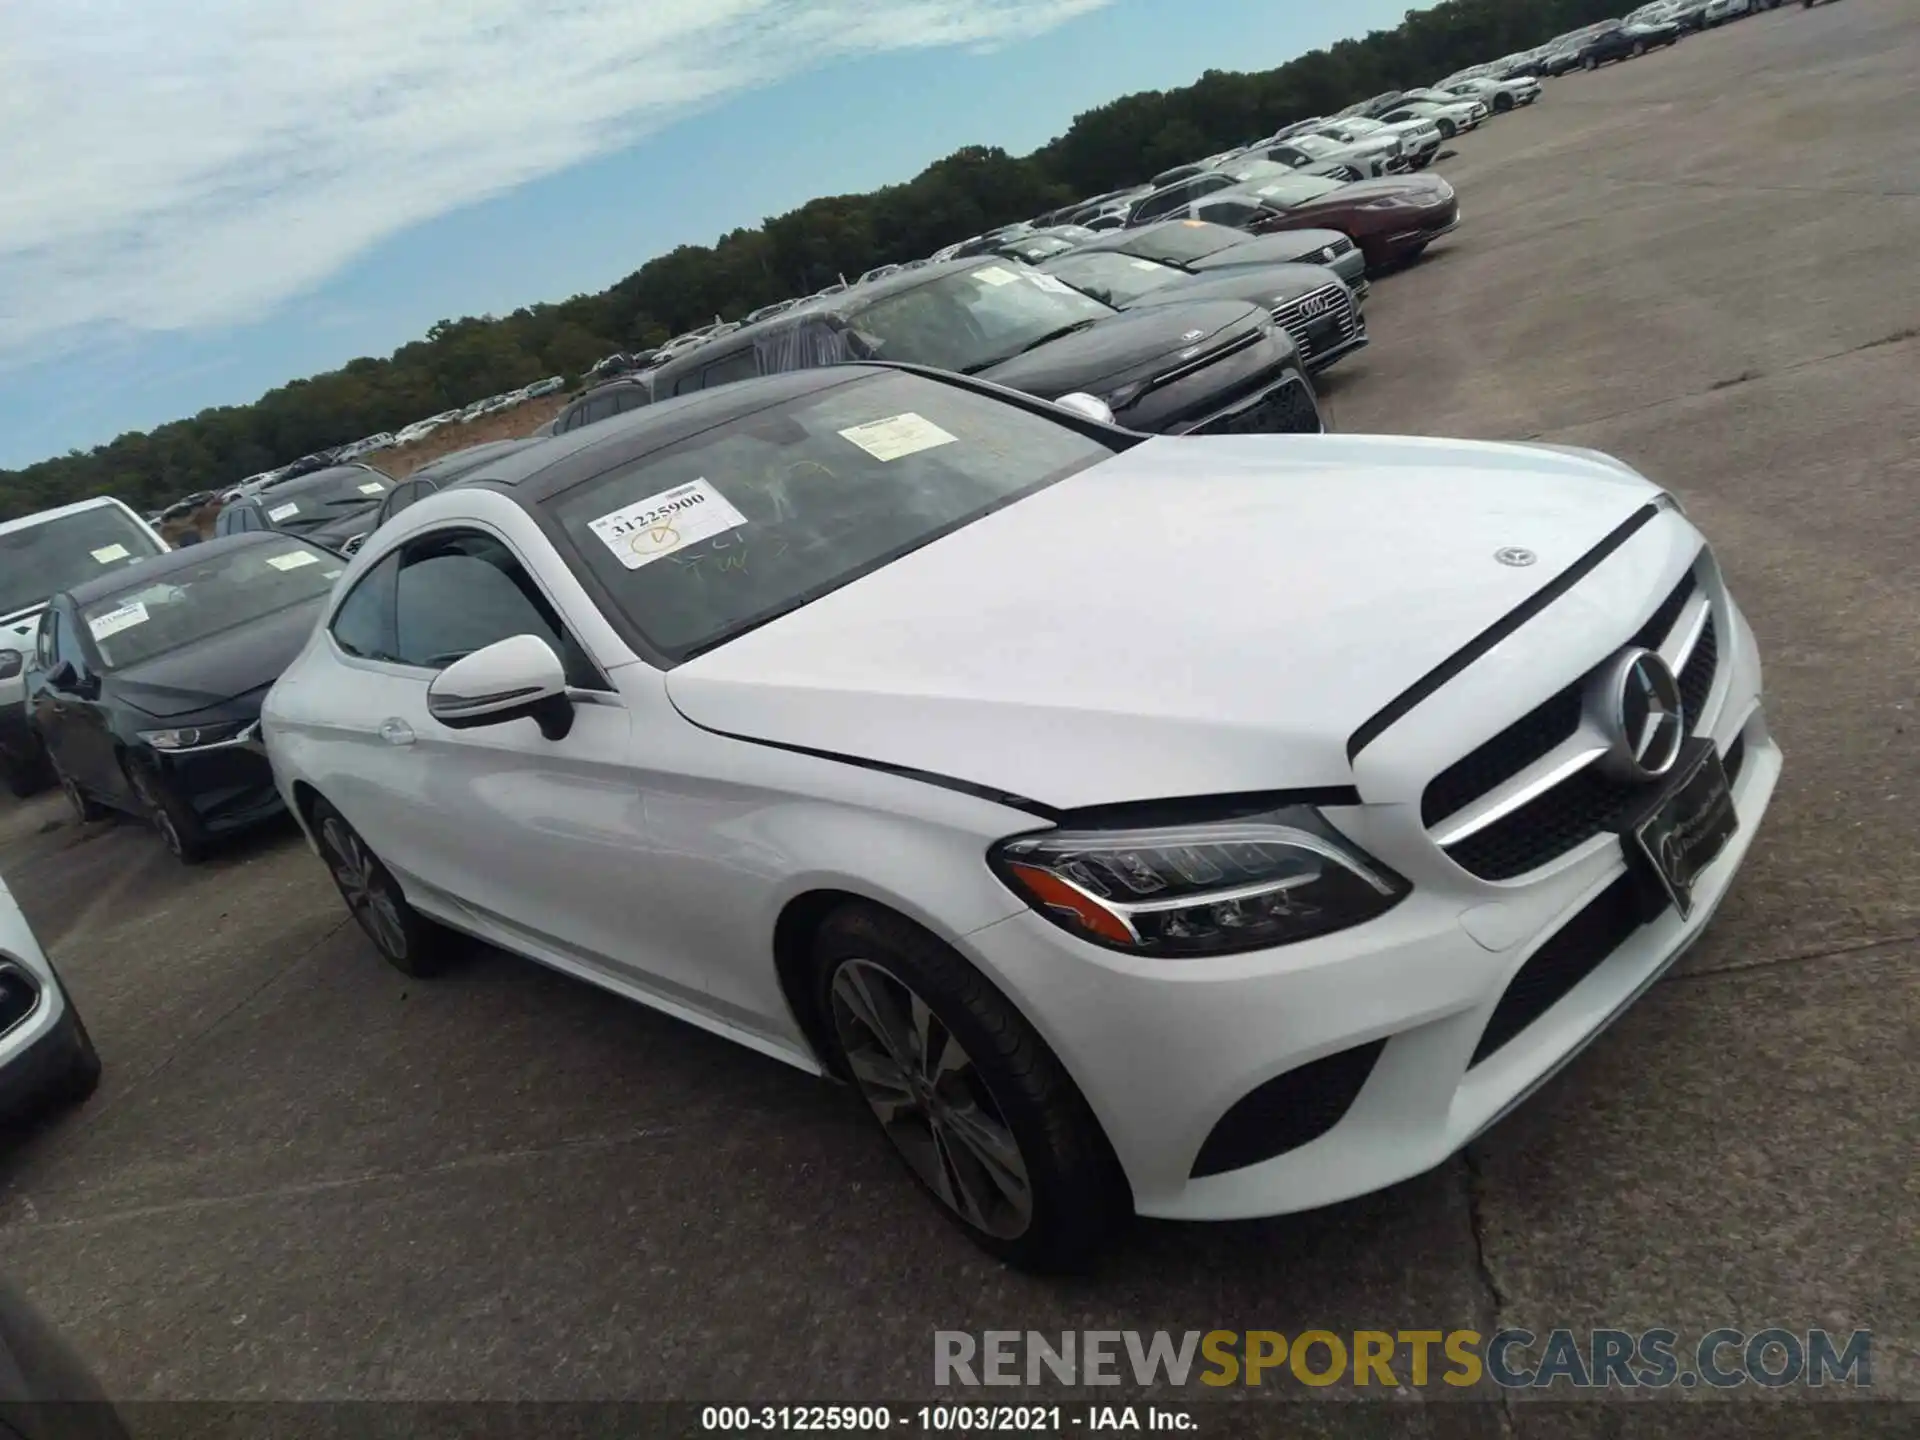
[{"x": 1392, "y": 218}]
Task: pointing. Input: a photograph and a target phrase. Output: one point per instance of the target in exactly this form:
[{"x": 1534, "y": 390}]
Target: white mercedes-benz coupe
[{"x": 1199, "y": 827}]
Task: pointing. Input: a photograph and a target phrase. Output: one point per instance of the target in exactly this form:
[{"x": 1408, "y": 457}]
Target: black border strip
[{"x": 1397, "y": 708}]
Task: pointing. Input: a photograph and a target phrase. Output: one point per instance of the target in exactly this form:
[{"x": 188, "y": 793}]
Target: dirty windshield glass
[
  {"x": 59, "y": 554},
  {"x": 975, "y": 319},
  {"x": 222, "y": 591},
  {"x": 742, "y": 523}
]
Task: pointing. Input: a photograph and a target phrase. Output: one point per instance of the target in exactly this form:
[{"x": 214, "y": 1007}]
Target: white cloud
[{"x": 174, "y": 164}]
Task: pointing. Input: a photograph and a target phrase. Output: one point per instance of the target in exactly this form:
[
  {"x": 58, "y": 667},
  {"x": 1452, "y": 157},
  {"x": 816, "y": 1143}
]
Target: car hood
[
  {"x": 236, "y": 663},
  {"x": 1196, "y": 616},
  {"x": 1262, "y": 285},
  {"x": 1414, "y": 189},
  {"x": 1277, "y": 249},
  {"x": 1131, "y": 345}
]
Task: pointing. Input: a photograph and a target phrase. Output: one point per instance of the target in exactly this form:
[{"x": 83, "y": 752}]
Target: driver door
[{"x": 540, "y": 844}]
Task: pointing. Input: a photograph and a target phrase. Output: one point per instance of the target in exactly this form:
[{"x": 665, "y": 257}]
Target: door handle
[{"x": 396, "y": 732}]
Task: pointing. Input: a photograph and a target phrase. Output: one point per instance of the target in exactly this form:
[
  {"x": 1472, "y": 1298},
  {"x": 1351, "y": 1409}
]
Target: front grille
[
  {"x": 1338, "y": 248},
  {"x": 1327, "y": 313},
  {"x": 1696, "y": 676},
  {"x": 1570, "y": 954},
  {"x": 1287, "y": 409},
  {"x": 19, "y": 993},
  {"x": 1287, "y": 1111},
  {"x": 1537, "y": 732},
  {"x": 1585, "y": 804}
]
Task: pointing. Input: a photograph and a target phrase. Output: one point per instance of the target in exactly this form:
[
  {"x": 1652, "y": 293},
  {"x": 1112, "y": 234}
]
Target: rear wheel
[
  {"x": 173, "y": 819},
  {"x": 1590, "y": 63},
  {"x": 975, "y": 1105},
  {"x": 1639, "y": 48},
  {"x": 405, "y": 938}
]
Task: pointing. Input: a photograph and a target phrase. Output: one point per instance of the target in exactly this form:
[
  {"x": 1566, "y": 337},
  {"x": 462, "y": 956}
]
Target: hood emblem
[
  {"x": 1638, "y": 704},
  {"x": 1191, "y": 336},
  {"x": 1515, "y": 556}
]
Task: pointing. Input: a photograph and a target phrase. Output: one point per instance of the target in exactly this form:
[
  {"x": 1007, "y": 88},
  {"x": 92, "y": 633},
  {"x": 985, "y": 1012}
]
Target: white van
[{"x": 41, "y": 555}]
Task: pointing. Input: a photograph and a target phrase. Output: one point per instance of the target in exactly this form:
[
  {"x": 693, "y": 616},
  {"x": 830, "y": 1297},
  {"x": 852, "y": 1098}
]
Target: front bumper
[
  {"x": 1164, "y": 1050},
  {"x": 229, "y": 784}
]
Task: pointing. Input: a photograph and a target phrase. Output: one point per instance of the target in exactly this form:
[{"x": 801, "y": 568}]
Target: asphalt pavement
[{"x": 306, "y": 1177}]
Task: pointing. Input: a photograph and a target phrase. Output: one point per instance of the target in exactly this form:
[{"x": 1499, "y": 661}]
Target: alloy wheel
[
  {"x": 365, "y": 888},
  {"x": 931, "y": 1100}
]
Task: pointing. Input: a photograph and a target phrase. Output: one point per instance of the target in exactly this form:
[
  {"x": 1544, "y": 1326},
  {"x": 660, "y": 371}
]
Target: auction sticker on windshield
[
  {"x": 283, "y": 512},
  {"x": 1048, "y": 282},
  {"x": 114, "y": 621},
  {"x": 645, "y": 531},
  {"x": 994, "y": 275},
  {"x": 373, "y": 487},
  {"x": 897, "y": 435},
  {"x": 293, "y": 560},
  {"x": 107, "y": 554}
]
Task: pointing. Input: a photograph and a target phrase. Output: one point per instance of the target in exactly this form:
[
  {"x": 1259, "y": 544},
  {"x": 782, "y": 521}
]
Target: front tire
[
  {"x": 175, "y": 821},
  {"x": 1448, "y": 129},
  {"x": 975, "y": 1104},
  {"x": 405, "y": 938},
  {"x": 1589, "y": 63},
  {"x": 1502, "y": 104},
  {"x": 1639, "y": 48}
]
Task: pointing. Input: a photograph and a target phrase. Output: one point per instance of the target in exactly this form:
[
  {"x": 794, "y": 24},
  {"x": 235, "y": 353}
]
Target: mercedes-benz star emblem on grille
[
  {"x": 1515, "y": 556},
  {"x": 1637, "y": 704}
]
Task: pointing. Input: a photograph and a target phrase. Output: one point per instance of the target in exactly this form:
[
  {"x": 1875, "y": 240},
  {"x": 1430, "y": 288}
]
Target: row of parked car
[{"x": 333, "y": 457}]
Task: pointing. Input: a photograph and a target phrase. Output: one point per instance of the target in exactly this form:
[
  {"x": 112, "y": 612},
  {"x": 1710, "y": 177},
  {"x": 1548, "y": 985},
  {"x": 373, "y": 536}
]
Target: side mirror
[
  {"x": 63, "y": 677},
  {"x": 512, "y": 679},
  {"x": 1090, "y": 407}
]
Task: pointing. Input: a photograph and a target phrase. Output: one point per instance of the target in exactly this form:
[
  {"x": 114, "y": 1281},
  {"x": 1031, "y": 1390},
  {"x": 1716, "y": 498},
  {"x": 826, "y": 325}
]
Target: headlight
[
  {"x": 1213, "y": 888},
  {"x": 11, "y": 663},
  {"x": 192, "y": 737}
]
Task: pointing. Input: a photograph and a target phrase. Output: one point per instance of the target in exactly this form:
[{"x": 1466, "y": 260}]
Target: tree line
[{"x": 975, "y": 188}]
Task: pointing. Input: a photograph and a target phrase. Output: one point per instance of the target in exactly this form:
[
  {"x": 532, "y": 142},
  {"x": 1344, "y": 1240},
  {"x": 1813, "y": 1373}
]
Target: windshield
[
  {"x": 736, "y": 525},
  {"x": 976, "y": 318},
  {"x": 224, "y": 590},
  {"x": 1254, "y": 169},
  {"x": 322, "y": 498},
  {"x": 1359, "y": 125},
  {"x": 1113, "y": 278},
  {"x": 1294, "y": 189},
  {"x": 61, "y": 553},
  {"x": 1314, "y": 145},
  {"x": 1037, "y": 247},
  {"x": 1182, "y": 241}
]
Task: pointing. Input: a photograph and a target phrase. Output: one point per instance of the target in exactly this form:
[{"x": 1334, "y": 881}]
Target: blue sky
[{"x": 237, "y": 198}]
